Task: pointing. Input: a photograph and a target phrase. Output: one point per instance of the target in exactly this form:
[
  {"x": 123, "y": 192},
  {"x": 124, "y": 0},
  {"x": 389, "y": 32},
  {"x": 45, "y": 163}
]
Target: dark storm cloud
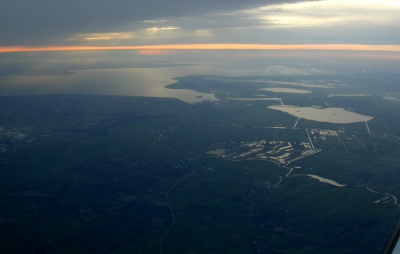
[{"x": 46, "y": 22}]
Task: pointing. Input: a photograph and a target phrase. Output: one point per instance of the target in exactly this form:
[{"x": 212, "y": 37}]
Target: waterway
[
  {"x": 391, "y": 98},
  {"x": 325, "y": 180},
  {"x": 321, "y": 179},
  {"x": 285, "y": 90},
  {"x": 255, "y": 99},
  {"x": 302, "y": 84},
  {"x": 148, "y": 82},
  {"x": 348, "y": 95},
  {"x": 329, "y": 115}
]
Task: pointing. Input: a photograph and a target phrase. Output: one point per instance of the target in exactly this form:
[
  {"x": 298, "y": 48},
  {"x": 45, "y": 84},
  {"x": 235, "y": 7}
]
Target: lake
[
  {"x": 149, "y": 82},
  {"x": 285, "y": 90},
  {"x": 329, "y": 115}
]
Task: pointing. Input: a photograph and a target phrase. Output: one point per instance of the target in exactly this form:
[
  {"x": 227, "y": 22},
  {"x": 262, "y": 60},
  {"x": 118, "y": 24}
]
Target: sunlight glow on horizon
[
  {"x": 327, "y": 12},
  {"x": 344, "y": 47}
]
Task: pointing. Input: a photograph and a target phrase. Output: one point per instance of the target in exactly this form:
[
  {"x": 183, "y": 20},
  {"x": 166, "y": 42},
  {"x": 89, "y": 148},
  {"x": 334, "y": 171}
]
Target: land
[{"x": 102, "y": 174}]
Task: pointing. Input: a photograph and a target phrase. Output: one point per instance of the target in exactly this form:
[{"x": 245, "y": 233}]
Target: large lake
[
  {"x": 329, "y": 115},
  {"x": 149, "y": 82}
]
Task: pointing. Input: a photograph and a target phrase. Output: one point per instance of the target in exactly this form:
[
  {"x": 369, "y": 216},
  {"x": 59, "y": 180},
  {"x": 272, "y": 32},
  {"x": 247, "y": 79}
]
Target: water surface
[
  {"x": 348, "y": 95},
  {"x": 149, "y": 82},
  {"x": 391, "y": 98},
  {"x": 285, "y": 90},
  {"x": 329, "y": 115}
]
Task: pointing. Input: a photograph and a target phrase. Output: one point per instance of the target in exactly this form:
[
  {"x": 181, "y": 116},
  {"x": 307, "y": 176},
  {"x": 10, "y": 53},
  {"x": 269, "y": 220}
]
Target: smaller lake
[
  {"x": 285, "y": 90},
  {"x": 254, "y": 99},
  {"x": 302, "y": 84},
  {"x": 391, "y": 98},
  {"x": 328, "y": 115},
  {"x": 324, "y": 180},
  {"x": 348, "y": 95}
]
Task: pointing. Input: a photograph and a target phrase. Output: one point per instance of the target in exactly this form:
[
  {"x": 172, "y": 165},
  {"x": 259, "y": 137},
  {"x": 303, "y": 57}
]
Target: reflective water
[
  {"x": 149, "y": 82},
  {"x": 391, "y": 98},
  {"x": 300, "y": 84},
  {"x": 325, "y": 180},
  {"x": 348, "y": 95},
  {"x": 285, "y": 90},
  {"x": 255, "y": 99},
  {"x": 329, "y": 115}
]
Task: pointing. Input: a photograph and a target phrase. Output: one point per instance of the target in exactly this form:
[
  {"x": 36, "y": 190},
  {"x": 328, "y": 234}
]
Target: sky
[
  {"x": 41, "y": 23},
  {"x": 44, "y": 41}
]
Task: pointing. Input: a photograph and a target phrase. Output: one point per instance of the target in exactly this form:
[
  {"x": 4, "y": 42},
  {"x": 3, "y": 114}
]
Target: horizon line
[{"x": 329, "y": 47}]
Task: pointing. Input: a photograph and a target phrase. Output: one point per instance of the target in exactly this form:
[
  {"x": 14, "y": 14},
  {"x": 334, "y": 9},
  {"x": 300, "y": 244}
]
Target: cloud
[
  {"x": 275, "y": 70},
  {"x": 156, "y": 52},
  {"x": 155, "y": 21},
  {"x": 97, "y": 22},
  {"x": 48, "y": 22},
  {"x": 103, "y": 36},
  {"x": 283, "y": 70},
  {"x": 339, "y": 47},
  {"x": 203, "y": 33},
  {"x": 327, "y": 12},
  {"x": 156, "y": 29}
]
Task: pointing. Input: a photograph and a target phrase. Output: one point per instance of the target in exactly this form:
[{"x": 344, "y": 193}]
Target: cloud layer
[
  {"x": 152, "y": 22},
  {"x": 50, "y": 21}
]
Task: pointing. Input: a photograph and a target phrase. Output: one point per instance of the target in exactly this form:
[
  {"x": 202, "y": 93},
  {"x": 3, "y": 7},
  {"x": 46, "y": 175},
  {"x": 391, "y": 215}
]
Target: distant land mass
[{"x": 230, "y": 173}]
